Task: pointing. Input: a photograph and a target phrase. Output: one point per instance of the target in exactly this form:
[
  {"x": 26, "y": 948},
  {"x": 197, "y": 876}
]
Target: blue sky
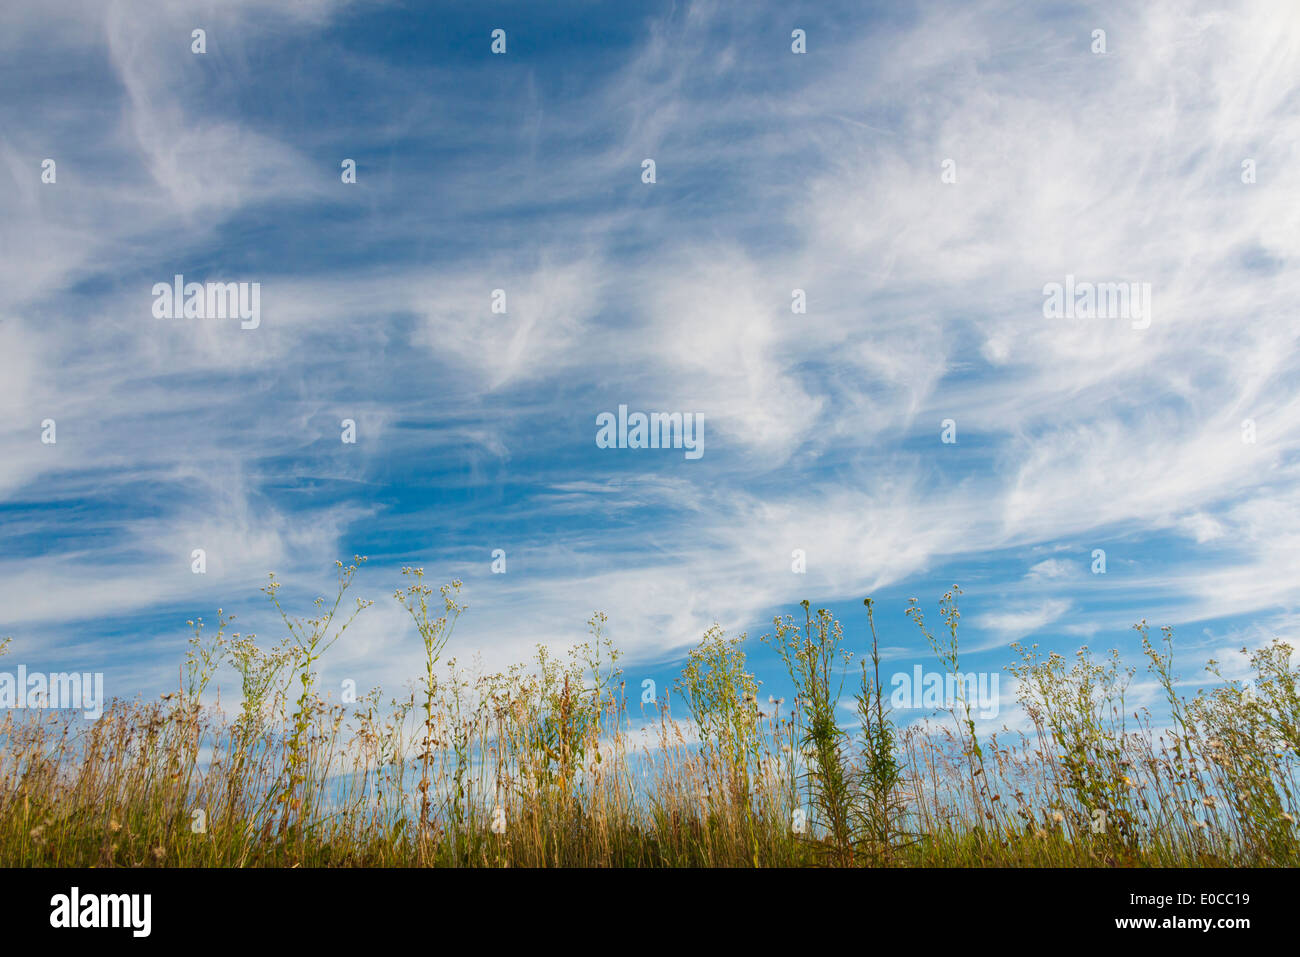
[{"x": 523, "y": 172}]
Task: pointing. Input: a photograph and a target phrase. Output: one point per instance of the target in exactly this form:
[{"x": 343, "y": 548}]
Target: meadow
[{"x": 548, "y": 763}]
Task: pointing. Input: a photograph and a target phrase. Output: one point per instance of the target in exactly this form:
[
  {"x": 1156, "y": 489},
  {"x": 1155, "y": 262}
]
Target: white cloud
[
  {"x": 1023, "y": 621},
  {"x": 822, "y": 429}
]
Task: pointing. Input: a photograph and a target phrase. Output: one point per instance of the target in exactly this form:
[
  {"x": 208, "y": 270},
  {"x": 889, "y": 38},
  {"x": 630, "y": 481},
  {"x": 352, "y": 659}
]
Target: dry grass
[{"x": 538, "y": 765}]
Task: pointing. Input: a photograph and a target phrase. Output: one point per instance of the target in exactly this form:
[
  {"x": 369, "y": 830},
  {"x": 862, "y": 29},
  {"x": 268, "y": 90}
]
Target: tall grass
[{"x": 547, "y": 764}]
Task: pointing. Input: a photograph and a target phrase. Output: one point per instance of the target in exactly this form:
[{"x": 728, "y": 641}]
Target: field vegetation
[{"x": 556, "y": 763}]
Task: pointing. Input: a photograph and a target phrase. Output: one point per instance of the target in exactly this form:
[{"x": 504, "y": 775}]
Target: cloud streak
[{"x": 776, "y": 172}]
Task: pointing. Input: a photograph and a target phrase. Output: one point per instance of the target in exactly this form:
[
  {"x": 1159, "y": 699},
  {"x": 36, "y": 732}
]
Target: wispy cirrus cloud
[{"x": 820, "y": 173}]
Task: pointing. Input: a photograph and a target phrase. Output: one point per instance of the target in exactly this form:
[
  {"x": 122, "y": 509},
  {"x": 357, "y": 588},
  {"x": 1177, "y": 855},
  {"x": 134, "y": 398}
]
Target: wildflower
[{"x": 1058, "y": 817}]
